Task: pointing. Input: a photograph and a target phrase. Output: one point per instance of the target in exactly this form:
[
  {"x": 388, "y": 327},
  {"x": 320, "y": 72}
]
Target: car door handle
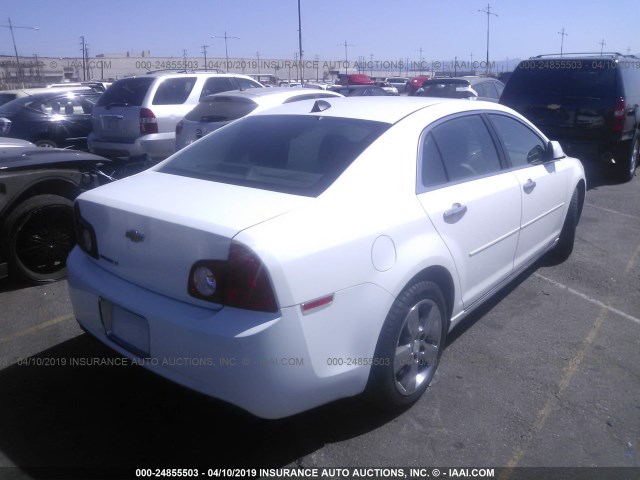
[
  {"x": 529, "y": 186},
  {"x": 455, "y": 213}
]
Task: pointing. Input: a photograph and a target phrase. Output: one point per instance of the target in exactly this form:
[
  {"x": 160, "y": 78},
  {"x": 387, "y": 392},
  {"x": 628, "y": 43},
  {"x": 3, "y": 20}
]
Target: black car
[
  {"x": 37, "y": 189},
  {"x": 476, "y": 88},
  {"x": 590, "y": 103},
  {"x": 52, "y": 119},
  {"x": 360, "y": 91}
]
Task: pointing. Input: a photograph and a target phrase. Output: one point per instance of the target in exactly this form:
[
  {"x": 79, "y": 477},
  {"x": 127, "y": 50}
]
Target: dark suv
[{"x": 589, "y": 102}]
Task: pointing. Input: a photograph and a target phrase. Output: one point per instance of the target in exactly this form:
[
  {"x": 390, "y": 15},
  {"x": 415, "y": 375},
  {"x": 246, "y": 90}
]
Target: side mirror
[{"x": 554, "y": 151}]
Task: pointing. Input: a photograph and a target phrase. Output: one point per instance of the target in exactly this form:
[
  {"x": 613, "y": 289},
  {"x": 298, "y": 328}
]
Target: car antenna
[{"x": 320, "y": 106}]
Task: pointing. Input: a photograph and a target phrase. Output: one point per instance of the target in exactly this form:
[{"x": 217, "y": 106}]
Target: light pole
[
  {"x": 15, "y": 49},
  {"x": 300, "y": 45},
  {"x": 602, "y": 44},
  {"x": 204, "y": 51},
  {"x": 346, "y": 55},
  {"x": 226, "y": 50},
  {"x": 562, "y": 39},
  {"x": 489, "y": 13}
]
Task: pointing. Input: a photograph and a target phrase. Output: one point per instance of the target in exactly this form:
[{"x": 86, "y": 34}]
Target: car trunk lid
[{"x": 150, "y": 235}]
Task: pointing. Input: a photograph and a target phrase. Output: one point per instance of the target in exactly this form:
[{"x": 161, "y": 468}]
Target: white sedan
[{"x": 320, "y": 249}]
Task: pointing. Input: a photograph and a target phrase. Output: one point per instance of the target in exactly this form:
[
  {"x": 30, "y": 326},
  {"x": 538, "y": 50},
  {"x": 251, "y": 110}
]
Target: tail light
[
  {"x": 85, "y": 234},
  {"x": 619, "y": 114},
  {"x": 5, "y": 126},
  {"x": 242, "y": 281},
  {"x": 179, "y": 127},
  {"x": 148, "y": 122}
]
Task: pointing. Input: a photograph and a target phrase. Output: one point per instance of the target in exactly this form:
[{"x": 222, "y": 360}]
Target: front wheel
[
  {"x": 40, "y": 234},
  {"x": 409, "y": 346}
]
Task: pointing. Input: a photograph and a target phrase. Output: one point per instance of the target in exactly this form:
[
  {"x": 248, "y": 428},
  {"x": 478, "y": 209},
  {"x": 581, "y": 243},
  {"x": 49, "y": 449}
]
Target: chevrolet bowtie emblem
[
  {"x": 553, "y": 106},
  {"x": 135, "y": 236}
]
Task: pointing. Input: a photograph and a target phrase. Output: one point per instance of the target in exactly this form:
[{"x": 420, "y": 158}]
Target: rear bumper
[
  {"x": 264, "y": 363},
  {"x": 593, "y": 151},
  {"x": 156, "y": 146}
]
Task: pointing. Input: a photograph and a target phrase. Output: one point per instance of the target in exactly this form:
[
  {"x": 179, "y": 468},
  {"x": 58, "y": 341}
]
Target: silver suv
[{"x": 137, "y": 116}]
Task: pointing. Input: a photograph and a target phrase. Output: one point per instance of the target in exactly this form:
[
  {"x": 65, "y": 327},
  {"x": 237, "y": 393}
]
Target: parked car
[
  {"x": 38, "y": 187},
  {"x": 590, "y": 103},
  {"x": 360, "y": 91},
  {"x": 322, "y": 248},
  {"x": 473, "y": 88},
  {"x": 354, "y": 79},
  {"x": 415, "y": 83},
  {"x": 399, "y": 82},
  {"x": 53, "y": 119},
  {"x": 217, "y": 110},
  {"x": 386, "y": 86},
  {"x": 137, "y": 116}
]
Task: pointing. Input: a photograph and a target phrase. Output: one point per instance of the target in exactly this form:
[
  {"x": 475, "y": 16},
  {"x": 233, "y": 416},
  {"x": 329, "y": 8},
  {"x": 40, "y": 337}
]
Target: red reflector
[
  {"x": 317, "y": 303},
  {"x": 148, "y": 122},
  {"x": 618, "y": 115}
]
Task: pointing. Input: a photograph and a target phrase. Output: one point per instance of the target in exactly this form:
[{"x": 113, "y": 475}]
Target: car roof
[
  {"x": 58, "y": 93},
  {"x": 387, "y": 109},
  {"x": 173, "y": 73},
  {"x": 282, "y": 93}
]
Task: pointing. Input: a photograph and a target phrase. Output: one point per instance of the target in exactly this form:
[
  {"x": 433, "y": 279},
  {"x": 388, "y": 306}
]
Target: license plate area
[
  {"x": 125, "y": 328},
  {"x": 111, "y": 122}
]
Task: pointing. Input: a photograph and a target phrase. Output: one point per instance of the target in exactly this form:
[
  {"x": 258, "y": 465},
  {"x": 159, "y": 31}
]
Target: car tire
[
  {"x": 46, "y": 143},
  {"x": 409, "y": 347},
  {"x": 40, "y": 234},
  {"x": 564, "y": 247},
  {"x": 629, "y": 159}
]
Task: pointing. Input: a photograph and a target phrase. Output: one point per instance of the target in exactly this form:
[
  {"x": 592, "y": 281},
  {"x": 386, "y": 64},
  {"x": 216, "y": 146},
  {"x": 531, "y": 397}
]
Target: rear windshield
[
  {"x": 564, "y": 78},
  {"x": 301, "y": 155},
  {"x": 126, "y": 92},
  {"x": 221, "y": 109}
]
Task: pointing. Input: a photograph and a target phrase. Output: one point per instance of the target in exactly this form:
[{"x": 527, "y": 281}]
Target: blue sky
[{"x": 388, "y": 30}]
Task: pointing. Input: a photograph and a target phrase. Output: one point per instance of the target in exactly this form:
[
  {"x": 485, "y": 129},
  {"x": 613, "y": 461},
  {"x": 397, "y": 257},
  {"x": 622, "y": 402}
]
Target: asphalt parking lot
[{"x": 546, "y": 374}]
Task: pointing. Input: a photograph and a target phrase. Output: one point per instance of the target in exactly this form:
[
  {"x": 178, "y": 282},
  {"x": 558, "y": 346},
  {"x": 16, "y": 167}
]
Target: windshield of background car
[
  {"x": 126, "y": 92},
  {"x": 564, "y": 78},
  {"x": 221, "y": 109},
  {"x": 296, "y": 154}
]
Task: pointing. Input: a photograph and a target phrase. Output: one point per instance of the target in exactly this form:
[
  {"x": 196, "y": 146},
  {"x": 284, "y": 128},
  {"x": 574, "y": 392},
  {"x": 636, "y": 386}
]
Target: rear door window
[
  {"x": 174, "y": 91},
  {"x": 466, "y": 147}
]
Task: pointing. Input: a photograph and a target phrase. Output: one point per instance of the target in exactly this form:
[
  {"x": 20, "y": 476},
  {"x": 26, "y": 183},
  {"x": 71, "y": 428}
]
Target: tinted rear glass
[
  {"x": 127, "y": 92},
  {"x": 301, "y": 155},
  {"x": 565, "y": 78},
  {"x": 221, "y": 109}
]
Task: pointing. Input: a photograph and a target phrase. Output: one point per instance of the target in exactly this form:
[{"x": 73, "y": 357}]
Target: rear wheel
[
  {"x": 629, "y": 160},
  {"x": 40, "y": 235},
  {"x": 409, "y": 347},
  {"x": 564, "y": 247},
  {"x": 46, "y": 143}
]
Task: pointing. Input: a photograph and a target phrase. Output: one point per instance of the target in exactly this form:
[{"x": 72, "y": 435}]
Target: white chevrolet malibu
[{"x": 320, "y": 249}]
